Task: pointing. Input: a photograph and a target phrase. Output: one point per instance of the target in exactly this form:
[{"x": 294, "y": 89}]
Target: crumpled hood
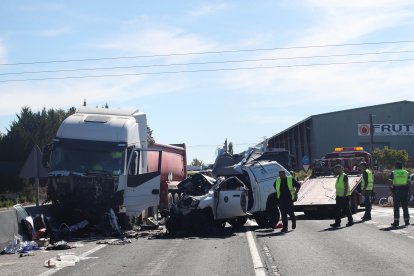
[{"x": 197, "y": 184}]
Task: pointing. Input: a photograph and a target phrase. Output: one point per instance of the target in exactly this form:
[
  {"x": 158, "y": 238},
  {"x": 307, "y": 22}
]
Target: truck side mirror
[{"x": 47, "y": 152}]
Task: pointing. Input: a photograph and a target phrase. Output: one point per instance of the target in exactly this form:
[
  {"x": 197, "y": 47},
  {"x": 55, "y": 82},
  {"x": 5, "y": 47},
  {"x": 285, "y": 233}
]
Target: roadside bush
[
  {"x": 381, "y": 177},
  {"x": 21, "y": 199},
  {"x": 6, "y": 203},
  {"x": 388, "y": 157}
]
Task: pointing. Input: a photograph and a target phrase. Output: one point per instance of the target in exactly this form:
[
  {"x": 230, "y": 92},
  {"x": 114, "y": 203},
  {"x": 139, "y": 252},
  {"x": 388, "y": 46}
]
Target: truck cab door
[
  {"x": 231, "y": 199},
  {"x": 143, "y": 188}
]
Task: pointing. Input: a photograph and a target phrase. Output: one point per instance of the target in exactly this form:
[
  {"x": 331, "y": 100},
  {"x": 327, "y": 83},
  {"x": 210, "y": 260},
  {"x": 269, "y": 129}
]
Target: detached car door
[
  {"x": 231, "y": 199},
  {"x": 143, "y": 188}
]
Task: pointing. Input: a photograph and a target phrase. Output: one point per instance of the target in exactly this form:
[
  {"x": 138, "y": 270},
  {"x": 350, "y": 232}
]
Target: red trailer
[{"x": 173, "y": 169}]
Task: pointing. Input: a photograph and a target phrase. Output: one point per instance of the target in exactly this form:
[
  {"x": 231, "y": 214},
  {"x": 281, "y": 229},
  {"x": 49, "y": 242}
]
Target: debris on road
[
  {"x": 115, "y": 241},
  {"x": 62, "y": 260},
  {"x": 61, "y": 245},
  {"x": 30, "y": 253},
  {"x": 18, "y": 246},
  {"x": 149, "y": 224}
]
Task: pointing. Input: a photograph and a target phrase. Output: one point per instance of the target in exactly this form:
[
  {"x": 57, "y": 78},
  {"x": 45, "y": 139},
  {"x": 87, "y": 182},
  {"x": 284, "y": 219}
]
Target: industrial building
[{"x": 393, "y": 125}]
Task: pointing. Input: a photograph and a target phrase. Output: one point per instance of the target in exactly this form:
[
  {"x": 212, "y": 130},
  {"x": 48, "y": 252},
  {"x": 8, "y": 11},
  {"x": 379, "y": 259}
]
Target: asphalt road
[
  {"x": 369, "y": 248},
  {"x": 363, "y": 249},
  {"x": 223, "y": 254}
]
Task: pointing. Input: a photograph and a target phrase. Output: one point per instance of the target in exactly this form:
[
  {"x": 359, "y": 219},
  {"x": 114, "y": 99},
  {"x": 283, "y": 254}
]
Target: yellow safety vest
[
  {"x": 290, "y": 186},
  {"x": 370, "y": 184},
  {"x": 340, "y": 186},
  {"x": 400, "y": 177}
]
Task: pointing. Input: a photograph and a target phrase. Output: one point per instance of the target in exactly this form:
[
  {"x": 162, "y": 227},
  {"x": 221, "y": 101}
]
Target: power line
[
  {"x": 205, "y": 63},
  {"x": 210, "y": 52},
  {"x": 207, "y": 70}
]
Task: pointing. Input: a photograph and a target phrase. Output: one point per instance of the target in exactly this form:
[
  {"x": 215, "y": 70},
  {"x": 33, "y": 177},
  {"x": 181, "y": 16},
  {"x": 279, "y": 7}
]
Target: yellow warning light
[{"x": 349, "y": 149}]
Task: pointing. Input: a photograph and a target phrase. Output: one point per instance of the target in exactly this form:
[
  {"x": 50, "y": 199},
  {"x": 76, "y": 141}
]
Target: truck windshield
[{"x": 88, "y": 157}]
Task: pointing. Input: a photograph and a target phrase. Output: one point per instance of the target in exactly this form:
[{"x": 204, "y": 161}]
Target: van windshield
[{"x": 88, "y": 157}]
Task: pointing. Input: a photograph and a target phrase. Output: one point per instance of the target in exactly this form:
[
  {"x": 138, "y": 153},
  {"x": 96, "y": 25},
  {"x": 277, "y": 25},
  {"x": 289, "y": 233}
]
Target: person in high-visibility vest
[
  {"x": 400, "y": 188},
  {"x": 343, "y": 195},
  {"x": 286, "y": 193},
  {"x": 367, "y": 185}
]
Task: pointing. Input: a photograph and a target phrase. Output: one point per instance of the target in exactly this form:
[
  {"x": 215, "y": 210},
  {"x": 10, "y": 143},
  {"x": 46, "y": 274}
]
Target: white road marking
[
  {"x": 81, "y": 256},
  {"x": 259, "y": 268},
  {"x": 273, "y": 268}
]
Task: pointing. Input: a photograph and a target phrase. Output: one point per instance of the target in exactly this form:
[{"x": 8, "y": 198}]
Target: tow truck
[{"x": 317, "y": 194}]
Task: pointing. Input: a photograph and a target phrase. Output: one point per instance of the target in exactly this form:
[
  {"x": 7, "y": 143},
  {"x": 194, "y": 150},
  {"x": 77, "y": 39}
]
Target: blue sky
[{"x": 203, "y": 109}]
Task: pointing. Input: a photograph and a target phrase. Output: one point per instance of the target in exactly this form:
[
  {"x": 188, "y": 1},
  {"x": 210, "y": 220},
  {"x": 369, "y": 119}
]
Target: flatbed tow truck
[{"x": 317, "y": 193}]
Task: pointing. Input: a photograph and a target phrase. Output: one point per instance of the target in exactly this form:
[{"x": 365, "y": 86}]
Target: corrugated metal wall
[{"x": 320, "y": 134}]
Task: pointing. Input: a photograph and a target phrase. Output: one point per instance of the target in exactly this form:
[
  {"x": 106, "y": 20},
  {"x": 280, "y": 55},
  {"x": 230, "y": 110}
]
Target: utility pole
[{"x": 371, "y": 133}]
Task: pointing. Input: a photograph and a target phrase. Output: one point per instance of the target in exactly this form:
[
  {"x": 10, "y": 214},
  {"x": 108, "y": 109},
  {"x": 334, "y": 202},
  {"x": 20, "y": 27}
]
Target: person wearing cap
[
  {"x": 343, "y": 195},
  {"x": 367, "y": 185},
  {"x": 286, "y": 192},
  {"x": 400, "y": 189}
]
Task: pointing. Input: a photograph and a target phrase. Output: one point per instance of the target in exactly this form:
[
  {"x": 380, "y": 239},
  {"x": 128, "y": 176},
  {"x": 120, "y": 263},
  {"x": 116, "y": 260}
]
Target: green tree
[
  {"x": 150, "y": 138},
  {"x": 29, "y": 129},
  {"x": 388, "y": 157},
  {"x": 196, "y": 162}
]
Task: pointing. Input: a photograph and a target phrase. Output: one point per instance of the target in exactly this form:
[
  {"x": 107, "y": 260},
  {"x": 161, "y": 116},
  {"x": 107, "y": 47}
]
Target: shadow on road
[
  {"x": 321, "y": 215},
  {"x": 315, "y": 217},
  {"x": 331, "y": 229},
  {"x": 270, "y": 233},
  {"x": 392, "y": 228},
  {"x": 209, "y": 234}
]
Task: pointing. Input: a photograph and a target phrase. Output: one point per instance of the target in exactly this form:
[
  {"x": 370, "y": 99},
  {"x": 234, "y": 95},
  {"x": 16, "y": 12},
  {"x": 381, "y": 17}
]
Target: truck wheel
[
  {"x": 267, "y": 219},
  {"x": 176, "y": 199},
  {"x": 170, "y": 201},
  {"x": 237, "y": 222}
]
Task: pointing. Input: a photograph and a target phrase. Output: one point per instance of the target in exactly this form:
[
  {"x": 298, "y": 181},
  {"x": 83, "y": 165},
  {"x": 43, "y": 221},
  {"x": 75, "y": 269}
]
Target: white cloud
[
  {"x": 208, "y": 9},
  {"x": 118, "y": 92},
  {"x": 53, "y": 32},
  {"x": 2, "y": 52},
  {"x": 340, "y": 21},
  {"x": 162, "y": 40},
  {"x": 338, "y": 85}
]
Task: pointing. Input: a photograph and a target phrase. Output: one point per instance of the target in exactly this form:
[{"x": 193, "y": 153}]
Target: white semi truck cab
[{"x": 98, "y": 161}]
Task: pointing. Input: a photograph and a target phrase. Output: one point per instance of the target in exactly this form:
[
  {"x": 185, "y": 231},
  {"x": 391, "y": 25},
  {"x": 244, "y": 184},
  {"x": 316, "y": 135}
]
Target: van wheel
[
  {"x": 237, "y": 222},
  {"x": 220, "y": 224},
  {"x": 267, "y": 219}
]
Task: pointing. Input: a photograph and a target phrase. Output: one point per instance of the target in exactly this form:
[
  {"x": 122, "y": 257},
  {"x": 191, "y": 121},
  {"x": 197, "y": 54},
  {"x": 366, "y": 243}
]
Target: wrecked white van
[{"x": 248, "y": 191}]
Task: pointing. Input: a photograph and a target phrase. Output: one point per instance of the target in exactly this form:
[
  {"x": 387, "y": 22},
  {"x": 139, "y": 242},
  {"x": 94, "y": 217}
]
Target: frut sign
[{"x": 386, "y": 129}]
